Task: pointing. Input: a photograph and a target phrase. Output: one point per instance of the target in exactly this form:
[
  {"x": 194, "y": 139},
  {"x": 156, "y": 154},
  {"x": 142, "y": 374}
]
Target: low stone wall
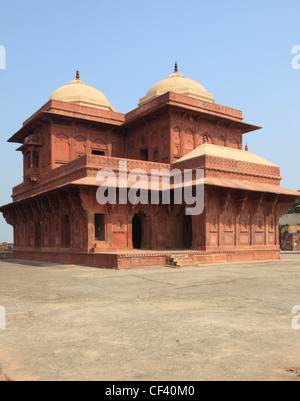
[
  {"x": 146, "y": 258},
  {"x": 6, "y": 251},
  {"x": 289, "y": 225},
  {"x": 6, "y": 255},
  {"x": 290, "y": 238}
]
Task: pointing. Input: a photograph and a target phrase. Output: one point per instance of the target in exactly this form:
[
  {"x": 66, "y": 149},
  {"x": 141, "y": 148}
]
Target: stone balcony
[{"x": 86, "y": 166}]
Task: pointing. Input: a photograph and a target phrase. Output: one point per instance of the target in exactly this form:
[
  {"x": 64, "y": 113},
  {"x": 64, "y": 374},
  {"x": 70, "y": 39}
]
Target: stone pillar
[
  {"x": 90, "y": 230},
  {"x": 237, "y": 230},
  {"x": 277, "y": 230},
  {"x": 108, "y": 229},
  {"x": 267, "y": 241},
  {"x": 129, "y": 231},
  {"x": 220, "y": 231},
  {"x": 252, "y": 231},
  {"x": 195, "y": 232},
  {"x": 146, "y": 232}
]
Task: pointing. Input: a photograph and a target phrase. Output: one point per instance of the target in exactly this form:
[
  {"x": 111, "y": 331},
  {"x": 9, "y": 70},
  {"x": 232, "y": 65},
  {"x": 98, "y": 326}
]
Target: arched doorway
[
  {"x": 187, "y": 232},
  {"x": 136, "y": 232}
]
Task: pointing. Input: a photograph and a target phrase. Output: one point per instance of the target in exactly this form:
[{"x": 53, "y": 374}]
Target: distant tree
[{"x": 294, "y": 208}]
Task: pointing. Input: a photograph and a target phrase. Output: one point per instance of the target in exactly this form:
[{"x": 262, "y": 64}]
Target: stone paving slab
[{"x": 210, "y": 322}]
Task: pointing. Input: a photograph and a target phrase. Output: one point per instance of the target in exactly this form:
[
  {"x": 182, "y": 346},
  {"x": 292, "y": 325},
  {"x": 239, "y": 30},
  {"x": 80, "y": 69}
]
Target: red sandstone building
[{"x": 57, "y": 218}]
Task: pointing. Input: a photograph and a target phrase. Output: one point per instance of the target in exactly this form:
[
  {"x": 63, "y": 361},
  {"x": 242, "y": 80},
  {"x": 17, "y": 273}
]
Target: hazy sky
[{"x": 240, "y": 51}]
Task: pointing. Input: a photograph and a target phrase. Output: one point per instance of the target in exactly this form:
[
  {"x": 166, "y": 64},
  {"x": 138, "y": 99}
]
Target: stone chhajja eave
[
  {"x": 202, "y": 108},
  {"x": 55, "y": 108},
  {"x": 68, "y": 110},
  {"x": 83, "y": 171},
  {"x": 241, "y": 185},
  {"x": 249, "y": 186},
  {"x": 242, "y": 169}
]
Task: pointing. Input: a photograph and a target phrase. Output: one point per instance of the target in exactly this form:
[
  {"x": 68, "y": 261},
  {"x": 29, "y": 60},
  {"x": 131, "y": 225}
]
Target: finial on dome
[
  {"x": 176, "y": 67},
  {"x": 246, "y": 148},
  {"x": 77, "y": 75}
]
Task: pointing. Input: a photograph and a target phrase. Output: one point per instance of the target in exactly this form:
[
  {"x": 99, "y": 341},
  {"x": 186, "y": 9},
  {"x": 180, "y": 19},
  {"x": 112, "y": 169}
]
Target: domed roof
[
  {"x": 177, "y": 83},
  {"x": 78, "y": 92}
]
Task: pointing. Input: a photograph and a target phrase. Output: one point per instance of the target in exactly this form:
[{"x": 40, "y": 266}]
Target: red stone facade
[{"x": 56, "y": 216}]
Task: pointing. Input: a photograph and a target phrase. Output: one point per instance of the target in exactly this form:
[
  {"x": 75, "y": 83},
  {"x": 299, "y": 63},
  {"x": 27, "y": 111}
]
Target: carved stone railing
[{"x": 79, "y": 168}]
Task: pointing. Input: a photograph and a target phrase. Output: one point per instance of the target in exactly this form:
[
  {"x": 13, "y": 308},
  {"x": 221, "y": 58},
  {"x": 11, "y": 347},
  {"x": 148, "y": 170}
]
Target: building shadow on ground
[{"x": 31, "y": 263}]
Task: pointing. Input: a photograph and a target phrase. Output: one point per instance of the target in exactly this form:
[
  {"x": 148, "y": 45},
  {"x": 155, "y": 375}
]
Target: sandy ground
[{"x": 211, "y": 322}]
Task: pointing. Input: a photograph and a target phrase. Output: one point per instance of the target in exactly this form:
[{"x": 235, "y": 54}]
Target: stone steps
[{"x": 179, "y": 260}]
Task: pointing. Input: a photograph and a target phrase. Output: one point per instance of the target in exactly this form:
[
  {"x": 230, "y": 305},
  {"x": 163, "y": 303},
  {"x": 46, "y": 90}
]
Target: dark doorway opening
[
  {"x": 66, "y": 232},
  {"x": 136, "y": 232},
  {"x": 99, "y": 227},
  {"x": 98, "y": 152},
  {"x": 37, "y": 234},
  {"x": 144, "y": 155},
  {"x": 187, "y": 232}
]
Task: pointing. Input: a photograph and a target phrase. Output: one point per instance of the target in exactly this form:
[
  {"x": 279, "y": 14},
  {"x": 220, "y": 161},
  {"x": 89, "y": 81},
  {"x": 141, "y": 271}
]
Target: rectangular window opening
[
  {"x": 98, "y": 152},
  {"x": 144, "y": 155},
  {"x": 100, "y": 227}
]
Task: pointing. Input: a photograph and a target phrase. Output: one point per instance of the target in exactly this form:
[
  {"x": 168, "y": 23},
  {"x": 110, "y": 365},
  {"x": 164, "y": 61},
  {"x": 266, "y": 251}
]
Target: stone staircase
[{"x": 179, "y": 260}]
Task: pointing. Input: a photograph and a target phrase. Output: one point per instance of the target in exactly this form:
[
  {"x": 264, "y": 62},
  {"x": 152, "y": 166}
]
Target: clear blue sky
[{"x": 241, "y": 51}]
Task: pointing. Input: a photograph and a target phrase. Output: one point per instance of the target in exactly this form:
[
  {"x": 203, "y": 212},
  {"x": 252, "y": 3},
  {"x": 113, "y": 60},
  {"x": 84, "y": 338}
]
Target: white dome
[
  {"x": 77, "y": 92},
  {"x": 177, "y": 83}
]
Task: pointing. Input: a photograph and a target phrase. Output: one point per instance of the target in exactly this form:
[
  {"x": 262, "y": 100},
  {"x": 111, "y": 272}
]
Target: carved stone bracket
[
  {"x": 176, "y": 210},
  {"x": 282, "y": 207},
  {"x": 35, "y": 209},
  {"x": 46, "y": 210},
  {"x": 10, "y": 216},
  {"x": 85, "y": 199},
  {"x": 224, "y": 201},
  {"x": 257, "y": 203},
  {"x": 240, "y": 203},
  {"x": 21, "y": 213},
  {"x": 54, "y": 204},
  {"x": 269, "y": 205}
]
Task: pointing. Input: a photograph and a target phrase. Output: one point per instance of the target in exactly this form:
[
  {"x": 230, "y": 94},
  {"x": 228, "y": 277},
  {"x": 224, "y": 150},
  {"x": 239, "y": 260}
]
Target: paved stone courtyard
[{"x": 211, "y": 322}]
